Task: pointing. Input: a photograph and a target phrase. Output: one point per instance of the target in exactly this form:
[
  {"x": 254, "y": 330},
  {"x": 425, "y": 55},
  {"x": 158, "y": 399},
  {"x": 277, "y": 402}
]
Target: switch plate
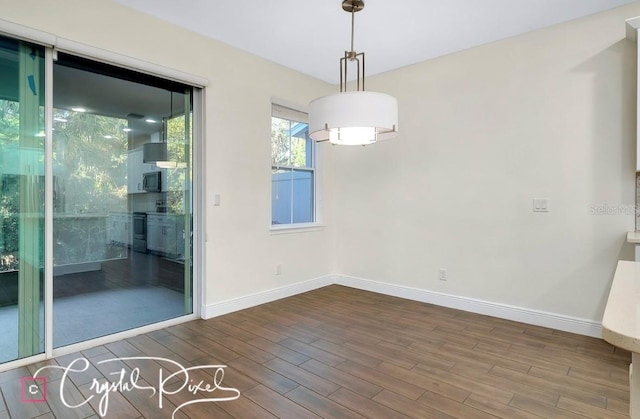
[
  {"x": 442, "y": 275},
  {"x": 541, "y": 205},
  {"x": 216, "y": 200}
]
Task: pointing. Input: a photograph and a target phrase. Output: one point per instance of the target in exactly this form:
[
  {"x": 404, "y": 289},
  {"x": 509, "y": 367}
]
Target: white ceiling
[{"x": 311, "y": 35}]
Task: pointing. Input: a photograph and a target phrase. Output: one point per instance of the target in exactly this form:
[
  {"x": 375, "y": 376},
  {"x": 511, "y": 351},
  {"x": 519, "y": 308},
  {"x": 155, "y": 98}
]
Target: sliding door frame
[
  {"x": 52, "y": 44},
  {"x": 48, "y": 203}
]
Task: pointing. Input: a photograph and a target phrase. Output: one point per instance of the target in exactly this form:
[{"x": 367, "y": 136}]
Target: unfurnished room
[{"x": 319, "y": 209}]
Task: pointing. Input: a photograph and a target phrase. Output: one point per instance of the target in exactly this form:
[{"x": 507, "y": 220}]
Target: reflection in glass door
[
  {"x": 21, "y": 199},
  {"x": 121, "y": 200}
]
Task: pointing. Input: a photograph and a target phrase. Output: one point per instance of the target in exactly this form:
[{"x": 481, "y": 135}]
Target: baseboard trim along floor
[{"x": 503, "y": 311}]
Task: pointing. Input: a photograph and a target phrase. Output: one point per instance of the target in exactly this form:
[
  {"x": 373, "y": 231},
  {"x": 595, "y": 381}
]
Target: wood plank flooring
[
  {"x": 338, "y": 352},
  {"x": 137, "y": 270}
]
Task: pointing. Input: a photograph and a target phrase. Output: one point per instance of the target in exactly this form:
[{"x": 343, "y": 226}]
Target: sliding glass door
[
  {"x": 21, "y": 199},
  {"x": 118, "y": 200},
  {"x": 122, "y": 202}
]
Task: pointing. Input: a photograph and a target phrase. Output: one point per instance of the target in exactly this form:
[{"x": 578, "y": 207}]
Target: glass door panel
[
  {"x": 122, "y": 200},
  {"x": 21, "y": 199}
]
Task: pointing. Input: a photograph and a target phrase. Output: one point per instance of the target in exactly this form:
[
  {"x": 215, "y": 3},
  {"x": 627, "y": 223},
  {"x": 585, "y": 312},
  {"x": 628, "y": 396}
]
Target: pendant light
[
  {"x": 356, "y": 117},
  {"x": 153, "y": 152}
]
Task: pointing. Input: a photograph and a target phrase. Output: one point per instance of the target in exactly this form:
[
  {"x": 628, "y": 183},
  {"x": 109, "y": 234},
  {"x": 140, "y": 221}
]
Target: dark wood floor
[
  {"x": 136, "y": 270},
  {"x": 342, "y": 353}
]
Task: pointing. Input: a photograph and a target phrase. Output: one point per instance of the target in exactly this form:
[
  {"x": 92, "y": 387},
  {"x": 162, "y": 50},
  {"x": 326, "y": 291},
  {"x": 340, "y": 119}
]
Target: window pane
[
  {"x": 292, "y": 164},
  {"x": 280, "y": 196},
  {"x": 301, "y": 155},
  {"x": 22, "y": 96},
  {"x": 302, "y": 196},
  {"x": 280, "y": 142},
  {"x": 119, "y": 243}
]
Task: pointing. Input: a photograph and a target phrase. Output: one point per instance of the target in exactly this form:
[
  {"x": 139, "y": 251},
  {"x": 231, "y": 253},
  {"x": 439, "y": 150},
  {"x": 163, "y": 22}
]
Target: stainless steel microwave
[{"x": 152, "y": 181}]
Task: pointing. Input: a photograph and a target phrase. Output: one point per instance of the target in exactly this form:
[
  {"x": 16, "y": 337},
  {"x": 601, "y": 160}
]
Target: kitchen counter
[
  {"x": 633, "y": 237},
  {"x": 77, "y": 216},
  {"x": 621, "y": 320},
  {"x": 166, "y": 213},
  {"x": 79, "y": 238},
  {"x": 621, "y": 323}
]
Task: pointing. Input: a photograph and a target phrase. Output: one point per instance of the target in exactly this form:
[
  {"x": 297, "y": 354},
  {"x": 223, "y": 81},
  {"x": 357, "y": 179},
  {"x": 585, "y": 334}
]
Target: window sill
[{"x": 296, "y": 228}]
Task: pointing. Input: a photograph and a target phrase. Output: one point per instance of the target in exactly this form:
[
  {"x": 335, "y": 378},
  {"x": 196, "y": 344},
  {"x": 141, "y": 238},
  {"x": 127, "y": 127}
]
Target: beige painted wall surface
[
  {"x": 241, "y": 255},
  {"x": 549, "y": 114}
]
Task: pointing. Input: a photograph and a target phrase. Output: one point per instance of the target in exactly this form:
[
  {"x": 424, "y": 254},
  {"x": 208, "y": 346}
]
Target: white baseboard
[
  {"x": 252, "y": 300},
  {"x": 503, "y": 311}
]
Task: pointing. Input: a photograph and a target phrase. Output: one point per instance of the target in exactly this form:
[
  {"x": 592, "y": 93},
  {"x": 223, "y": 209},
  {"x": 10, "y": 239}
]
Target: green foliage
[
  {"x": 8, "y": 219},
  {"x": 179, "y": 150},
  {"x": 90, "y": 160},
  {"x": 285, "y": 149},
  {"x": 9, "y": 121},
  {"x": 9, "y": 135},
  {"x": 89, "y": 167}
]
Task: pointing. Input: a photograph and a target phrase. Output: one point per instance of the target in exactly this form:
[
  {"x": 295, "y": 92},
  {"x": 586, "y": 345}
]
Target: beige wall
[
  {"x": 241, "y": 255},
  {"x": 550, "y": 114}
]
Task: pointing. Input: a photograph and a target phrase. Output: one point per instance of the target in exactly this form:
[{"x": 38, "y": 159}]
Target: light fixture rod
[
  {"x": 353, "y": 20},
  {"x": 352, "y": 6},
  {"x": 358, "y": 74},
  {"x": 359, "y": 59},
  {"x": 343, "y": 69}
]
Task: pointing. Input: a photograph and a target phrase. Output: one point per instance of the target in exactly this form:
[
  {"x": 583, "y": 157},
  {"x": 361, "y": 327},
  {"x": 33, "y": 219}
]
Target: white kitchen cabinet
[
  {"x": 119, "y": 228},
  {"x": 136, "y": 169},
  {"x": 632, "y": 28},
  {"x": 165, "y": 234},
  {"x": 155, "y": 227}
]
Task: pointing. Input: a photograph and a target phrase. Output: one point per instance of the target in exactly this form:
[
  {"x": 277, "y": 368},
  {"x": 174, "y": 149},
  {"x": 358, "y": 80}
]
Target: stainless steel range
[{"x": 139, "y": 220}]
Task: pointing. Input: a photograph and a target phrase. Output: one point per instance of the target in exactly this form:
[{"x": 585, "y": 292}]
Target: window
[{"x": 293, "y": 172}]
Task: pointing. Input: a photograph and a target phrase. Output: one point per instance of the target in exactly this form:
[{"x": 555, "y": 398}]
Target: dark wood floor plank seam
[
  {"x": 342, "y": 379},
  {"x": 594, "y": 399},
  {"x": 320, "y": 405}
]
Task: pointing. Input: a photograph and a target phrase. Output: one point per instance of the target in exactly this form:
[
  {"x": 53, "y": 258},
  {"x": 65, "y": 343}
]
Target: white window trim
[
  {"x": 317, "y": 225},
  {"x": 296, "y": 228}
]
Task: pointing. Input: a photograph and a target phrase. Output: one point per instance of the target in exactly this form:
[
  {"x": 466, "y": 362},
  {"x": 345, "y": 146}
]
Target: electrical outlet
[
  {"x": 442, "y": 275},
  {"x": 278, "y": 269}
]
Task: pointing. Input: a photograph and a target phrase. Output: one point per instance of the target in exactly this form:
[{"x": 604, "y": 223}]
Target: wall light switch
[
  {"x": 540, "y": 205},
  {"x": 216, "y": 200}
]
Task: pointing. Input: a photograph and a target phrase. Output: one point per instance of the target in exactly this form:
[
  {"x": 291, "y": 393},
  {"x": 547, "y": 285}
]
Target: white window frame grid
[{"x": 294, "y": 114}]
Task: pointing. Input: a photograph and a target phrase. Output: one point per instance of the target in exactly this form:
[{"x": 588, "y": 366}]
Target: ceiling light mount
[
  {"x": 356, "y": 117},
  {"x": 352, "y": 6}
]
